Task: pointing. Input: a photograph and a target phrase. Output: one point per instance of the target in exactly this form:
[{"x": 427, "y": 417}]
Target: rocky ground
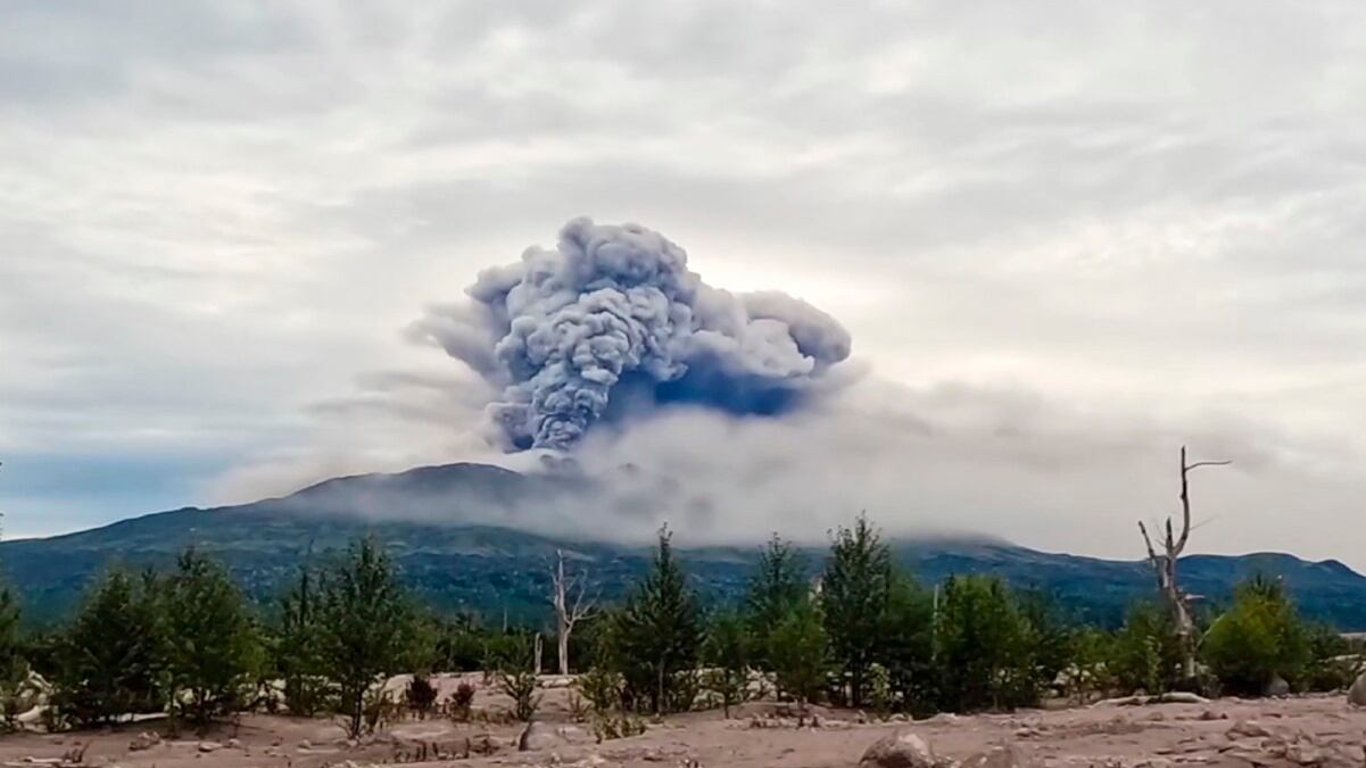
[{"x": 1306, "y": 731}]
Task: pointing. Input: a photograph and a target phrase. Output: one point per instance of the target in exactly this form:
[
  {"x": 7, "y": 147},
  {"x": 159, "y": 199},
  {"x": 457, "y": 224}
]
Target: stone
[
  {"x": 539, "y": 737},
  {"x": 234, "y": 744},
  {"x": 1276, "y": 687},
  {"x": 1002, "y": 756},
  {"x": 145, "y": 740},
  {"x": 209, "y": 746},
  {"x": 1249, "y": 729},
  {"x": 1356, "y": 695},
  {"x": 903, "y": 749}
]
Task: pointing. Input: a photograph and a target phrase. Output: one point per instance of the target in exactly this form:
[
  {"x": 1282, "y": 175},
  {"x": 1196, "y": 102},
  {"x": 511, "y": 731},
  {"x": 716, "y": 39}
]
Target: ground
[{"x": 1306, "y": 731}]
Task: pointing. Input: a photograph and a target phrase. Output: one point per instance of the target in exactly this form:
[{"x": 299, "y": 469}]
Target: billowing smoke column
[{"x": 612, "y": 322}]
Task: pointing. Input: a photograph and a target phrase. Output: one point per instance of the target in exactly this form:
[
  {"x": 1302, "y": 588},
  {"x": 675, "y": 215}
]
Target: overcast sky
[{"x": 1065, "y": 237}]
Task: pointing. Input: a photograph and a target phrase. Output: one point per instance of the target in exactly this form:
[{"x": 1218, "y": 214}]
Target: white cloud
[{"x": 216, "y": 220}]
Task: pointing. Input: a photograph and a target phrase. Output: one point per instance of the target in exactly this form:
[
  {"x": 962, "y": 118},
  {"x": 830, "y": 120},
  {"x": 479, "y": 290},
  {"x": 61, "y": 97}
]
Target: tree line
[{"x": 862, "y": 634}]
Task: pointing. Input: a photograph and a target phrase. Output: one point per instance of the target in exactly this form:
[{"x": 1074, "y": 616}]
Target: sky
[{"x": 1065, "y": 237}]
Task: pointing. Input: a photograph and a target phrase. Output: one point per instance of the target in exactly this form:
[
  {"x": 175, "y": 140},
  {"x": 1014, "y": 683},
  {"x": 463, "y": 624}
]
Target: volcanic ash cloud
[{"x": 611, "y": 324}]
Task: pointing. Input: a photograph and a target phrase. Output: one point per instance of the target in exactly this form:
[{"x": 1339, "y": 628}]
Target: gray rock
[
  {"x": 1356, "y": 695},
  {"x": 1003, "y": 756},
  {"x": 143, "y": 741},
  {"x": 903, "y": 749},
  {"x": 1276, "y": 687},
  {"x": 537, "y": 737}
]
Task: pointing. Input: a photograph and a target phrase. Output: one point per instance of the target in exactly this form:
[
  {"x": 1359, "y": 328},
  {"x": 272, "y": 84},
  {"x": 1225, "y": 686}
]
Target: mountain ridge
[{"x": 488, "y": 563}]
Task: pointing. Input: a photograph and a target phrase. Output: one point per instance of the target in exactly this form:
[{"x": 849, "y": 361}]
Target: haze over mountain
[
  {"x": 1062, "y": 240},
  {"x": 443, "y": 527}
]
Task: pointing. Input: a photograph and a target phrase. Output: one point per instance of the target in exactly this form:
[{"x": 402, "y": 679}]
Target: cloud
[{"x": 1099, "y": 226}]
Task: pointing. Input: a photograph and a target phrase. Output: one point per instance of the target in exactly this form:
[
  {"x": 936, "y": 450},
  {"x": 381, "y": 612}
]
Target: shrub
[
  {"x": 459, "y": 703},
  {"x": 420, "y": 695},
  {"x": 1146, "y": 652},
  {"x": 1260, "y": 637}
]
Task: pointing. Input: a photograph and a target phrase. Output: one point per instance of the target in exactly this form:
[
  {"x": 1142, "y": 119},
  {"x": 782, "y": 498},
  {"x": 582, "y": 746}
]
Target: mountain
[{"x": 458, "y": 532}]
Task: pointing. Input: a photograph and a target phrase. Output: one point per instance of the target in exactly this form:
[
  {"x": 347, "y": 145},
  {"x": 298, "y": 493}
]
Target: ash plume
[{"x": 612, "y": 323}]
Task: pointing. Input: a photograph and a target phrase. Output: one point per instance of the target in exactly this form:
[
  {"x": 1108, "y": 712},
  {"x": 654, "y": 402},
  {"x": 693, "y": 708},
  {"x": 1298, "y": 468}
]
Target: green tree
[
  {"x": 112, "y": 660},
  {"x": 15, "y": 692},
  {"x": 659, "y": 635},
  {"x": 727, "y": 653},
  {"x": 363, "y": 624},
  {"x": 214, "y": 646},
  {"x": 1147, "y": 652},
  {"x": 1260, "y": 637},
  {"x": 799, "y": 653},
  {"x": 907, "y": 645},
  {"x": 855, "y": 593},
  {"x": 778, "y": 585},
  {"x": 297, "y": 655},
  {"x": 985, "y": 647}
]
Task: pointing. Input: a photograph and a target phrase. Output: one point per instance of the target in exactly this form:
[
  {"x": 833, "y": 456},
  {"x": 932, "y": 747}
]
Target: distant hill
[{"x": 489, "y": 568}]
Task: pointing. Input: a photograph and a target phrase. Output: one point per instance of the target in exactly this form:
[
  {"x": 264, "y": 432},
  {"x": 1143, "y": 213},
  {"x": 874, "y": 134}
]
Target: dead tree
[
  {"x": 569, "y": 596},
  {"x": 1164, "y": 565}
]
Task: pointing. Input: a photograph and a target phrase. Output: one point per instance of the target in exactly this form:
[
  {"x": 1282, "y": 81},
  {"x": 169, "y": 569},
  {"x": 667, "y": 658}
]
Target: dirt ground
[{"x": 1306, "y": 731}]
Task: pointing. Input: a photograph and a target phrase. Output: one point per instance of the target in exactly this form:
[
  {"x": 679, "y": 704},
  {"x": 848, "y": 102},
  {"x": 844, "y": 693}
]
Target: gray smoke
[{"x": 611, "y": 322}]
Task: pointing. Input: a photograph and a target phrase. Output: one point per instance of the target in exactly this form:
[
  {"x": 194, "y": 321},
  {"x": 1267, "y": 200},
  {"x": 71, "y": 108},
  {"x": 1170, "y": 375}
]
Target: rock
[
  {"x": 209, "y": 746},
  {"x": 1276, "y": 687},
  {"x": 1248, "y": 728},
  {"x": 144, "y": 741},
  {"x": 538, "y": 737},
  {"x": 903, "y": 749},
  {"x": 305, "y": 744},
  {"x": 234, "y": 744},
  {"x": 1356, "y": 695},
  {"x": 1003, "y": 756}
]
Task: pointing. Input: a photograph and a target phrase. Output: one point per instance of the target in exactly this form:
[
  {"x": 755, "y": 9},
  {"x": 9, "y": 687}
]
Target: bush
[
  {"x": 420, "y": 695},
  {"x": 521, "y": 686},
  {"x": 460, "y": 702},
  {"x": 1259, "y": 638},
  {"x": 1332, "y": 665},
  {"x": 1146, "y": 653},
  {"x": 602, "y": 688}
]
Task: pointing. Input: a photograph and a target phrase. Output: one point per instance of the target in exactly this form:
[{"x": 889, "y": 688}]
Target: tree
[
  {"x": 568, "y": 598},
  {"x": 15, "y": 692},
  {"x": 727, "y": 653},
  {"x": 1146, "y": 653},
  {"x": 112, "y": 660},
  {"x": 798, "y": 652},
  {"x": 1164, "y": 566},
  {"x": 297, "y": 652},
  {"x": 659, "y": 635},
  {"x": 1260, "y": 638},
  {"x": 985, "y": 647},
  {"x": 214, "y": 647},
  {"x": 778, "y": 586},
  {"x": 364, "y": 618},
  {"x": 855, "y": 591},
  {"x": 907, "y": 645}
]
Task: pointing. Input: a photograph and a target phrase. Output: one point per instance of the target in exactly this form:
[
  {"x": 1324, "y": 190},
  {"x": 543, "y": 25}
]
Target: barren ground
[{"x": 1303, "y": 731}]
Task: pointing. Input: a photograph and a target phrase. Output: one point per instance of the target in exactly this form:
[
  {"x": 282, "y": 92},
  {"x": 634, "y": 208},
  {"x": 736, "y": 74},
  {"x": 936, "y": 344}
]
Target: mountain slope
[{"x": 493, "y": 568}]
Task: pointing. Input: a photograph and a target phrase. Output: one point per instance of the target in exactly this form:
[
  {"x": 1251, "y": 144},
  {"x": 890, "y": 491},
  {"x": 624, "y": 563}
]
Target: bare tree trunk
[
  {"x": 1165, "y": 563},
  {"x": 540, "y": 646},
  {"x": 567, "y": 614}
]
